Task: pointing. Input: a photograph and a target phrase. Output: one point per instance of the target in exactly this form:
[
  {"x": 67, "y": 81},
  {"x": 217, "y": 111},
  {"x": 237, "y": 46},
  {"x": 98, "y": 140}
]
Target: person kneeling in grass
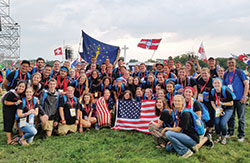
[
  {"x": 68, "y": 111},
  {"x": 183, "y": 136},
  {"x": 166, "y": 119},
  {"x": 26, "y": 113},
  {"x": 87, "y": 112},
  {"x": 49, "y": 111}
]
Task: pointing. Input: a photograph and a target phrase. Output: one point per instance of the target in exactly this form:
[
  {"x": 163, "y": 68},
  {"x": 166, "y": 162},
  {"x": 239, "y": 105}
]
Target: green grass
[{"x": 108, "y": 145}]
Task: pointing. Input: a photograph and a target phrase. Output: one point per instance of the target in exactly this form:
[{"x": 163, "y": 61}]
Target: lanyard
[
  {"x": 189, "y": 104},
  {"x": 185, "y": 83},
  {"x": 71, "y": 102},
  {"x": 171, "y": 101},
  {"x": 80, "y": 89},
  {"x": 35, "y": 90},
  {"x": 63, "y": 82},
  {"x": 231, "y": 77},
  {"x": 30, "y": 105},
  {"x": 217, "y": 99},
  {"x": 144, "y": 74},
  {"x": 87, "y": 108},
  {"x": 178, "y": 118},
  {"x": 21, "y": 76},
  {"x": 119, "y": 91},
  {"x": 205, "y": 85}
]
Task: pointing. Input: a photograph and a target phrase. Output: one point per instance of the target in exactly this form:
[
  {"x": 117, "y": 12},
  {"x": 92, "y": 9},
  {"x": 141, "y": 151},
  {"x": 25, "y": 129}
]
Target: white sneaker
[
  {"x": 188, "y": 154},
  {"x": 241, "y": 139}
]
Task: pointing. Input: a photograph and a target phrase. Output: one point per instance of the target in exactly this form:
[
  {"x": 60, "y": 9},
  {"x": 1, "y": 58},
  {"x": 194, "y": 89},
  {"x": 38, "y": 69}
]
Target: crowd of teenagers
[{"x": 191, "y": 102}]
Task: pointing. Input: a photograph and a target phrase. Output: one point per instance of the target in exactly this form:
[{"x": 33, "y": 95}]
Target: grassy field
[{"x": 108, "y": 145}]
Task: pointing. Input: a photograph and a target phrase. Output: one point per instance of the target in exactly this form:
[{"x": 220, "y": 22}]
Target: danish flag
[
  {"x": 151, "y": 44},
  {"x": 58, "y": 51}
]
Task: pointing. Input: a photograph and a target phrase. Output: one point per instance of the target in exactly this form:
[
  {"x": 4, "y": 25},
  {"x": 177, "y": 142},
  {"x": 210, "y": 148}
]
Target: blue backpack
[
  {"x": 17, "y": 72},
  {"x": 204, "y": 113},
  {"x": 223, "y": 90},
  {"x": 44, "y": 98},
  {"x": 24, "y": 103},
  {"x": 198, "y": 124},
  {"x": 65, "y": 99}
]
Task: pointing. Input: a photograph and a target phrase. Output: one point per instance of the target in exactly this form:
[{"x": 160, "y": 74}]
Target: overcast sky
[{"x": 222, "y": 25}]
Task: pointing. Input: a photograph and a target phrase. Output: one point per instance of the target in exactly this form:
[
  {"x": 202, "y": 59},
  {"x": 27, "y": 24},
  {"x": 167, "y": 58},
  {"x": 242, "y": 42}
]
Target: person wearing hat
[
  {"x": 119, "y": 89},
  {"x": 160, "y": 68},
  {"x": 212, "y": 68},
  {"x": 63, "y": 80}
]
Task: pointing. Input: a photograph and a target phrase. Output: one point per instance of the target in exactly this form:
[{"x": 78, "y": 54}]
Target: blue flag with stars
[{"x": 101, "y": 51}]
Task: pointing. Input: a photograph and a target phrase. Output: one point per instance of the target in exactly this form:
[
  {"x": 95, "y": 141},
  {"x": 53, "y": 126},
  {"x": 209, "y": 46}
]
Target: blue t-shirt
[{"x": 238, "y": 86}]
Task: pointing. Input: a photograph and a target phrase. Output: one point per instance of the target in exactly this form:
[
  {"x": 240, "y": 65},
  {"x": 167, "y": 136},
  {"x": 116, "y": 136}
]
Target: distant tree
[
  {"x": 133, "y": 60},
  {"x": 151, "y": 60}
]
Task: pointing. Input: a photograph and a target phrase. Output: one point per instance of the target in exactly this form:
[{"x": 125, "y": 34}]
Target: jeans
[
  {"x": 180, "y": 142},
  {"x": 221, "y": 122},
  {"x": 29, "y": 132},
  {"x": 241, "y": 112}
]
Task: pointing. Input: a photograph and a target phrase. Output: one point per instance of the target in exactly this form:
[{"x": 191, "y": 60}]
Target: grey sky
[{"x": 223, "y": 25}]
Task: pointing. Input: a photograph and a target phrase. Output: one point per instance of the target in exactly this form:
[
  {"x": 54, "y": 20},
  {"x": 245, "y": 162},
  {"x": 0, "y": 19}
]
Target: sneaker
[
  {"x": 188, "y": 154},
  {"x": 97, "y": 127},
  {"x": 210, "y": 142},
  {"x": 229, "y": 136},
  {"x": 194, "y": 149},
  {"x": 241, "y": 139}
]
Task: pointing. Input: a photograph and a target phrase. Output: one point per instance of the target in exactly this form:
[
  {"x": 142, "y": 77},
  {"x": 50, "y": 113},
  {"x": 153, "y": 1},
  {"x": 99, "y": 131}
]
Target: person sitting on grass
[
  {"x": 26, "y": 113},
  {"x": 222, "y": 102},
  {"x": 10, "y": 102},
  {"x": 68, "y": 111},
  {"x": 166, "y": 119},
  {"x": 182, "y": 136},
  {"x": 87, "y": 112},
  {"x": 49, "y": 101}
]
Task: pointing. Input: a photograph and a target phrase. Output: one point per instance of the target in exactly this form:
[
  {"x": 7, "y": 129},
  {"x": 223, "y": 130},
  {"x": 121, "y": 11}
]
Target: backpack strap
[
  {"x": 44, "y": 97},
  {"x": 65, "y": 99},
  {"x": 15, "y": 76},
  {"x": 57, "y": 101},
  {"x": 24, "y": 102}
]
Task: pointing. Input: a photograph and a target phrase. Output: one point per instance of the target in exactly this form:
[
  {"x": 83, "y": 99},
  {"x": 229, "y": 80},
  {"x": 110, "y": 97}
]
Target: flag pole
[{"x": 153, "y": 54}]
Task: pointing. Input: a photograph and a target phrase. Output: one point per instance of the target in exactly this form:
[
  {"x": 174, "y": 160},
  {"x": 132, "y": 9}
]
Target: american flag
[
  {"x": 133, "y": 115},
  {"x": 103, "y": 113}
]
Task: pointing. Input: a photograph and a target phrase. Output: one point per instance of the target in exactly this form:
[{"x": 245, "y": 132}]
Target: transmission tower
[{"x": 9, "y": 34}]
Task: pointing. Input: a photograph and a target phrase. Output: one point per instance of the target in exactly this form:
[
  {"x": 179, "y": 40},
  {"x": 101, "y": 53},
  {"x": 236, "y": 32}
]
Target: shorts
[
  {"x": 48, "y": 125},
  {"x": 9, "y": 116},
  {"x": 64, "y": 129}
]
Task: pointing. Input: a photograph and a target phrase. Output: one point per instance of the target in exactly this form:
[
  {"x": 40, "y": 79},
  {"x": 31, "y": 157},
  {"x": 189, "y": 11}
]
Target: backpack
[
  {"x": 44, "y": 98},
  {"x": 102, "y": 87},
  {"x": 15, "y": 76},
  {"x": 4, "y": 95},
  {"x": 198, "y": 124},
  {"x": 24, "y": 103},
  {"x": 223, "y": 90},
  {"x": 65, "y": 99},
  {"x": 238, "y": 71}
]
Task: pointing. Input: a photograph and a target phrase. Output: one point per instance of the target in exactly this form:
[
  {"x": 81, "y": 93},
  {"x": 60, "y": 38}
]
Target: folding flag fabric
[
  {"x": 101, "y": 51},
  {"x": 73, "y": 64},
  {"x": 58, "y": 51},
  {"x": 133, "y": 115},
  {"x": 202, "y": 52},
  {"x": 244, "y": 58},
  {"x": 151, "y": 44},
  {"x": 103, "y": 113}
]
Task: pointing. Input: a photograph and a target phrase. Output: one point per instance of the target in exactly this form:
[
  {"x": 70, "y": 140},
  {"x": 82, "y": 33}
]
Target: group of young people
[{"x": 190, "y": 101}]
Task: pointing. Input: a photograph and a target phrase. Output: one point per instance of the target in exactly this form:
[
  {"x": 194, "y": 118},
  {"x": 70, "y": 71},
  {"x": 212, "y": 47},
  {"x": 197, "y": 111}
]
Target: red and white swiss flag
[
  {"x": 58, "y": 51},
  {"x": 151, "y": 44},
  {"x": 202, "y": 52}
]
